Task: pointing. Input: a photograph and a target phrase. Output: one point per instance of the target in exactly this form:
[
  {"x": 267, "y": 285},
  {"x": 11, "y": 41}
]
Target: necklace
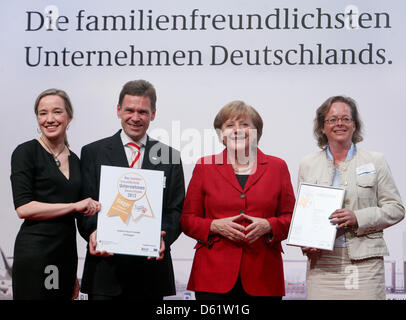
[
  {"x": 57, "y": 162},
  {"x": 245, "y": 170}
]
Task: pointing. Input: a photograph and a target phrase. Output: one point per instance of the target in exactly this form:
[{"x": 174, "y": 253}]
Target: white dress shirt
[{"x": 129, "y": 151}]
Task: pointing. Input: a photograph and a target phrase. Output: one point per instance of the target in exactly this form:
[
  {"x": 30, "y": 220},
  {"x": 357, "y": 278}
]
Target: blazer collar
[
  {"x": 116, "y": 154},
  {"x": 146, "y": 162},
  {"x": 115, "y": 151},
  {"x": 227, "y": 172}
]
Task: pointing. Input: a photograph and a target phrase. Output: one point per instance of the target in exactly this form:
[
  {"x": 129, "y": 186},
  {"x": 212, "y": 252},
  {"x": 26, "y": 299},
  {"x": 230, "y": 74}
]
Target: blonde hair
[
  {"x": 239, "y": 109},
  {"x": 64, "y": 96}
]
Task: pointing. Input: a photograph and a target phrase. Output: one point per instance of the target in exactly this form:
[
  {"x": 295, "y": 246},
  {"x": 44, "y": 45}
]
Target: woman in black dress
[{"x": 45, "y": 178}]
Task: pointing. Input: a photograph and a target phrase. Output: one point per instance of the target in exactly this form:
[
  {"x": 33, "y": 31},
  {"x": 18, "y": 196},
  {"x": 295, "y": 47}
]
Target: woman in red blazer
[{"x": 238, "y": 207}]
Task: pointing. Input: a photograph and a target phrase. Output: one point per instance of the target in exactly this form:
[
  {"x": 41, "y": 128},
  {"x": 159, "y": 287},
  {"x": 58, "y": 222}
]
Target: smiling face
[
  {"x": 135, "y": 113},
  {"x": 238, "y": 133},
  {"x": 339, "y": 132},
  {"x": 52, "y": 117}
]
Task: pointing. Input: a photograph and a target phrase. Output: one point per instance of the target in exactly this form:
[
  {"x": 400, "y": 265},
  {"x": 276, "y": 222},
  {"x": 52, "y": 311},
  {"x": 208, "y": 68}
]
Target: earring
[{"x": 67, "y": 127}]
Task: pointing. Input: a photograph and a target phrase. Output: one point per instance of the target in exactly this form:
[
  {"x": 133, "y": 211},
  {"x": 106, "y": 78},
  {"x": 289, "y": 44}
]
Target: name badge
[{"x": 366, "y": 169}]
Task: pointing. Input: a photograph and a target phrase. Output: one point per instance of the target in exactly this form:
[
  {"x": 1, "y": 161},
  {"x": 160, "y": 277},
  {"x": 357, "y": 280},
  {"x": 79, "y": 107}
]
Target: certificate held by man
[
  {"x": 129, "y": 221},
  {"x": 310, "y": 226}
]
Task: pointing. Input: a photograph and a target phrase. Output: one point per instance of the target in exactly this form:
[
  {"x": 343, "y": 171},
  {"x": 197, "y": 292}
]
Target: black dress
[{"x": 45, "y": 255}]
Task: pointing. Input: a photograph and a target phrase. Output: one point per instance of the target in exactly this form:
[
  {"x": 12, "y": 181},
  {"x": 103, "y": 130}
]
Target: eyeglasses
[{"x": 333, "y": 121}]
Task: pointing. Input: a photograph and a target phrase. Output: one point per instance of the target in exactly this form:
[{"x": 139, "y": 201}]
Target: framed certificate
[
  {"x": 129, "y": 221},
  {"x": 310, "y": 226}
]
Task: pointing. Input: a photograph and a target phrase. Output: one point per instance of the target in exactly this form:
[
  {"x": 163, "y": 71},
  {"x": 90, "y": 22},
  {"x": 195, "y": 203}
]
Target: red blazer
[{"x": 213, "y": 193}]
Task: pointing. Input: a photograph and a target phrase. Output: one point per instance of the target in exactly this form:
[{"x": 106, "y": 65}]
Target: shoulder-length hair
[{"x": 321, "y": 112}]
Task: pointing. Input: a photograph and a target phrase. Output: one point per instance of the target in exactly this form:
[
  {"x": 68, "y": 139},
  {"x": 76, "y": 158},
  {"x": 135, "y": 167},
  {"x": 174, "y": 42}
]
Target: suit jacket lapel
[
  {"x": 226, "y": 170},
  {"x": 260, "y": 170},
  {"x": 115, "y": 153},
  {"x": 146, "y": 162}
]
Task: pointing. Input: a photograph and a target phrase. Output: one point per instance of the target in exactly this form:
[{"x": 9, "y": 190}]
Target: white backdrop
[{"x": 190, "y": 92}]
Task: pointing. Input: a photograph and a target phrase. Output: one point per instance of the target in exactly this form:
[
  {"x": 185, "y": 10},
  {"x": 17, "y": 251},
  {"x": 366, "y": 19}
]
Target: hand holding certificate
[
  {"x": 311, "y": 226},
  {"x": 130, "y": 219}
]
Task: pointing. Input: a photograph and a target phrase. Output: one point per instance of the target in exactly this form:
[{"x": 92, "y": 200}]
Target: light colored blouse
[{"x": 340, "y": 240}]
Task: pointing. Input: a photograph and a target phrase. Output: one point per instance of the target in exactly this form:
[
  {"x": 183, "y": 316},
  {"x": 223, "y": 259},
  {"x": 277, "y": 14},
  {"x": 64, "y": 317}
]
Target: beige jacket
[{"x": 371, "y": 194}]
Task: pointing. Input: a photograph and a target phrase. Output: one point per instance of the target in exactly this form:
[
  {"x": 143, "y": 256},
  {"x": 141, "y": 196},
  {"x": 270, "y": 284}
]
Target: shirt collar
[
  {"x": 126, "y": 139},
  {"x": 350, "y": 153}
]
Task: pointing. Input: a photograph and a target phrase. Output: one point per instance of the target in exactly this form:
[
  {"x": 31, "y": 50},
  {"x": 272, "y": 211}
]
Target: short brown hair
[
  {"x": 321, "y": 112},
  {"x": 139, "y": 88},
  {"x": 238, "y": 109}
]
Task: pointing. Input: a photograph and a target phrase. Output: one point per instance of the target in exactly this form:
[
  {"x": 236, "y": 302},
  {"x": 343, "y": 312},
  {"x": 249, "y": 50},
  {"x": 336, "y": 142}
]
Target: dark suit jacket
[
  {"x": 119, "y": 274},
  {"x": 214, "y": 193}
]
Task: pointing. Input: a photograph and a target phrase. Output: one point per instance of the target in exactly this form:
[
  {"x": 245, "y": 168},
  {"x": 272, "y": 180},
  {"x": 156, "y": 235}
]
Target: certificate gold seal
[{"x": 132, "y": 189}]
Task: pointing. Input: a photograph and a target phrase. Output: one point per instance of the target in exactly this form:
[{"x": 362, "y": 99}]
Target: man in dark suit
[{"x": 107, "y": 276}]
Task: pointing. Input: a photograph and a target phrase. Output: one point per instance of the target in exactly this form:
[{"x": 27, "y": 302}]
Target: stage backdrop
[{"x": 282, "y": 57}]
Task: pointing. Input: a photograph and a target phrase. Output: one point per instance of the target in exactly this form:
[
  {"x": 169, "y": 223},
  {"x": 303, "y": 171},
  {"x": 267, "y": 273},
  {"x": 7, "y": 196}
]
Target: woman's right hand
[
  {"x": 87, "y": 206},
  {"x": 229, "y": 228}
]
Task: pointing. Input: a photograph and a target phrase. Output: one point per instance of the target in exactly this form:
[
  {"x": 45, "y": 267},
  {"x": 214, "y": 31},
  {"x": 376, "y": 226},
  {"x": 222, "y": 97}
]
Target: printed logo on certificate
[
  {"x": 310, "y": 225},
  {"x": 130, "y": 219}
]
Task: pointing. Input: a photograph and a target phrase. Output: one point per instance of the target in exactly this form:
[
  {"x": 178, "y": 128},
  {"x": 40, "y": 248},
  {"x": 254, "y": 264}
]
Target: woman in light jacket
[{"x": 355, "y": 268}]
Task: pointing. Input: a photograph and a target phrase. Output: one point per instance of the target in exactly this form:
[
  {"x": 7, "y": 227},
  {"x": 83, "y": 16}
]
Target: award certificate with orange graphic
[
  {"x": 310, "y": 225},
  {"x": 129, "y": 221}
]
